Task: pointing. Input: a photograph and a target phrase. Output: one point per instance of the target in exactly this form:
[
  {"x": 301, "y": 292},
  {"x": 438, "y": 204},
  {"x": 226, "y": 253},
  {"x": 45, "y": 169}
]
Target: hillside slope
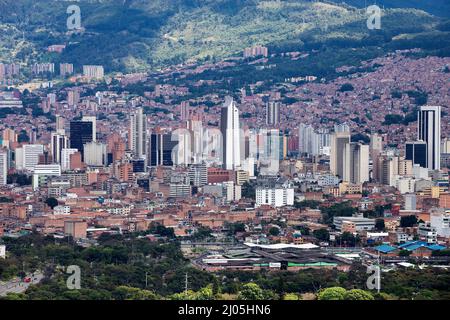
[{"x": 138, "y": 34}]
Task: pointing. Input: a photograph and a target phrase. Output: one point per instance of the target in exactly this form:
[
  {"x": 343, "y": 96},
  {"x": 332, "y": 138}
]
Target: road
[{"x": 17, "y": 285}]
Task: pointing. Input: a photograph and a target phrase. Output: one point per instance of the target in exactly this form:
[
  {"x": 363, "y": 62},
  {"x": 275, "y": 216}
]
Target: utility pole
[
  {"x": 146, "y": 279},
  {"x": 186, "y": 283}
]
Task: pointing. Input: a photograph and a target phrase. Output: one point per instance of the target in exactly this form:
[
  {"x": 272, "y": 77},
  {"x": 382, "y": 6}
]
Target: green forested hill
[{"x": 141, "y": 34}]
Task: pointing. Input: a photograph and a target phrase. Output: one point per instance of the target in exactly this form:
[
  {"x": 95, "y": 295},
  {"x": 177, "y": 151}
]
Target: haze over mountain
[{"x": 139, "y": 34}]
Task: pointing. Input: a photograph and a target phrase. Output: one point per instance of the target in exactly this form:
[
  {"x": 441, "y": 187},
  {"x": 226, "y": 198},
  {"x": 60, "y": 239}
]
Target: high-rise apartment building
[
  {"x": 138, "y": 134},
  {"x": 3, "y": 166},
  {"x": 230, "y": 129},
  {"x": 357, "y": 165},
  {"x": 93, "y": 72},
  {"x": 339, "y": 163},
  {"x": 273, "y": 113}
]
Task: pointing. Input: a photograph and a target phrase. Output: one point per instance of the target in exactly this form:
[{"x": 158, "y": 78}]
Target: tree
[
  {"x": 358, "y": 294},
  {"x": 130, "y": 293},
  {"x": 321, "y": 234},
  {"x": 346, "y": 87},
  {"x": 313, "y": 204},
  {"x": 408, "y": 221},
  {"x": 274, "y": 231},
  {"x": 157, "y": 228},
  {"x": 333, "y": 293},
  {"x": 51, "y": 202},
  {"x": 251, "y": 291},
  {"x": 202, "y": 233},
  {"x": 205, "y": 293},
  {"x": 291, "y": 296},
  {"x": 379, "y": 224},
  {"x": 248, "y": 191},
  {"x": 235, "y": 227},
  {"x": 404, "y": 253}
]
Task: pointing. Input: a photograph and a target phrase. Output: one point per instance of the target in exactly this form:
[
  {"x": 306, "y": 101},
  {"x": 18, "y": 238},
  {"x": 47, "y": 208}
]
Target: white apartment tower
[
  {"x": 138, "y": 134},
  {"x": 273, "y": 113},
  {"x": 3, "y": 166},
  {"x": 338, "y": 161},
  {"x": 229, "y": 126}
]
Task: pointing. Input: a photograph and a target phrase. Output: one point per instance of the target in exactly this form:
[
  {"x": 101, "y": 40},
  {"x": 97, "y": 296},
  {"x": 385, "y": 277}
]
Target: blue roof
[
  {"x": 414, "y": 245},
  {"x": 385, "y": 248},
  {"x": 436, "y": 247},
  {"x": 410, "y": 243}
]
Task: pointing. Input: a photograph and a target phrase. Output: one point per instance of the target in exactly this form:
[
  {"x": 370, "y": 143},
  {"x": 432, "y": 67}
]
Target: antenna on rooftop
[{"x": 186, "y": 282}]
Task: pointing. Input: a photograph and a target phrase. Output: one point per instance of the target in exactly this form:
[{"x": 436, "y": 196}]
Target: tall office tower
[
  {"x": 10, "y": 137},
  {"x": 184, "y": 110},
  {"x": 80, "y": 134},
  {"x": 229, "y": 127},
  {"x": 31, "y": 154},
  {"x": 93, "y": 72},
  {"x": 57, "y": 143},
  {"x": 95, "y": 154},
  {"x": 182, "y": 152},
  {"x": 416, "y": 151},
  {"x": 65, "y": 158},
  {"x": 92, "y": 119},
  {"x": 60, "y": 125},
  {"x": 73, "y": 97},
  {"x": 358, "y": 162},
  {"x": 429, "y": 130},
  {"x": 273, "y": 113},
  {"x": 324, "y": 141},
  {"x": 195, "y": 126},
  {"x": 338, "y": 160},
  {"x": 308, "y": 140},
  {"x": 65, "y": 69},
  {"x": 138, "y": 134},
  {"x": 160, "y": 150},
  {"x": 376, "y": 147},
  {"x": 3, "y": 166}
]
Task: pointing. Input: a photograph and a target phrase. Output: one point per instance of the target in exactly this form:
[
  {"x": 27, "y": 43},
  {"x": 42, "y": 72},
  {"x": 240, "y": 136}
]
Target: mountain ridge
[{"x": 137, "y": 35}]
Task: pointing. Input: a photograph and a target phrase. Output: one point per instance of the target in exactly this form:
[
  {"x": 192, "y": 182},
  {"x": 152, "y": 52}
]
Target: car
[{"x": 27, "y": 279}]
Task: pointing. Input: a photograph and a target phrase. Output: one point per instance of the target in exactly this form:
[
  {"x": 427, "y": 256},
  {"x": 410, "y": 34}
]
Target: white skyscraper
[
  {"x": 308, "y": 140},
  {"x": 31, "y": 154},
  {"x": 92, "y": 119},
  {"x": 65, "y": 158},
  {"x": 429, "y": 130},
  {"x": 357, "y": 165},
  {"x": 339, "y": 160},
  {"x": 138, "y": 134},
  {"x": 273, "y": 113},
  {"x": 229, "y": 126},
  {"x": 95, "y": 154},
  {"x": 57, "y": 143},
  {"x": 3, "y": 166}
]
